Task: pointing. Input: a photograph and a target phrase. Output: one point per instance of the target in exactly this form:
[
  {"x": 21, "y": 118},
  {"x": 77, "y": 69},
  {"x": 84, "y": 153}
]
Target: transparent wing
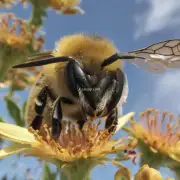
[
  {"x": 166, "y": 48},
  {"x": 39, "y": 56},
  {"x": 39, "y": 59},
  {"x": 158, "y": 56}
]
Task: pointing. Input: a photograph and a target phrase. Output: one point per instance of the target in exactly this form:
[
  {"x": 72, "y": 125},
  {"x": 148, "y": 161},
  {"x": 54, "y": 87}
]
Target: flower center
[
  {"x": 72, "y": 139},
  {"x": 159, "y": 130},
  {"x": 74, "y": 144}
]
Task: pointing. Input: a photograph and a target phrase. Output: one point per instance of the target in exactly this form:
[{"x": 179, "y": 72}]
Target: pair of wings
[{"x": 155, "y": 58}]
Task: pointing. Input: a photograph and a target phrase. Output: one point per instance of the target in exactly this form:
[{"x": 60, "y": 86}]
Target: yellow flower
[
  {"x": 159, "y": 132},
  {"x": 17, "y": 41},
  {"x": 19, "y": 79},
  {"x": 144, "y": 173},
  {"x": 147, "y": 173},
  {"x": 92, "y": 143},
  {"x": 10, "y": 35},
  {"x": 66, "y": 6},
  {"x": 9, "y": 3}
]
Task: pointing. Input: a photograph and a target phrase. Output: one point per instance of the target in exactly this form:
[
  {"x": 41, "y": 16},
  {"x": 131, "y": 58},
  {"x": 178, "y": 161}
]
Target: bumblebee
[{"x": 84, "y": 77}]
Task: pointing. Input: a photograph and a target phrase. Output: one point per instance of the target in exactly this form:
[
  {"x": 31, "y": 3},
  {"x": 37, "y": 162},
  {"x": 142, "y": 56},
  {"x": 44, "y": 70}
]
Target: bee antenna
[
  {"x": 43, "y": 62},
  {"x": 118, "y": 56}
]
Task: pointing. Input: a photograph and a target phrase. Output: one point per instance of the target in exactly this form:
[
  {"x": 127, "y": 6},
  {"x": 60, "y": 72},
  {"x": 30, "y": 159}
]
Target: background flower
[
  {"x": 159, "y": 138},
  {"x": 17, "y": 41}
]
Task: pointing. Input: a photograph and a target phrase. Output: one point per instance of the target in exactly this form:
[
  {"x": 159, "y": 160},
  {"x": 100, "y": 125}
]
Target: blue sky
[{"x": 130, "y": 25}]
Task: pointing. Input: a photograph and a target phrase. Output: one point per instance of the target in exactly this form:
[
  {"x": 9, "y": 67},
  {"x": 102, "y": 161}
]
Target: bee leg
[
  {"x": 102, "y": 87},
  {"x": 112, "y": 121},
  {"x": 81, "y": 118},
  {"x": 57, "y": 115},
  {"x": 112, "y": 95},
  {"x": 40, "y": 104},
  {"x": 112, "y": 118},
  {"x": 117, "y": 91},
  {"x": 77, "y": 81}
]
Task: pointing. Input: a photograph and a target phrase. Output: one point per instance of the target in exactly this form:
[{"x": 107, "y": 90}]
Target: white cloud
[
  {"x": 163, "y": 94},
  {"x": 158, "y": 15},
  {"x": 166, "y": 93}
]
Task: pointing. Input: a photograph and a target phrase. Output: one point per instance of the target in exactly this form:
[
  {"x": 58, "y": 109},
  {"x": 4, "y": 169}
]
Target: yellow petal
[
  {"x": 153, "y": 150},
  {"x": 73, "y": 10},
  {"x": 123, "y": 174},
  {"x": 147, "y": 173},
  {"x": 13, "y": 149},
  {"x": 123, "y": 120},
  {"x": 16, "y": 134}
]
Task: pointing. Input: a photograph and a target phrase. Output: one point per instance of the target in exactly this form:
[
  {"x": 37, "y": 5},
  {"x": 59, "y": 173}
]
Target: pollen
[
  {"x": 7, "y": 3},
  {"x": 74, "y": 144},
  {"x": 14, "y": 32},
  {"x": 66, "y": 6},
  {"x": 160, "y": 131},
  {"x": 10, "y": 3}
]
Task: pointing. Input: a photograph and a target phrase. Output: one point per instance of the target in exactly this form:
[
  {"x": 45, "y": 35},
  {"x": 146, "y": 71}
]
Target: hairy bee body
[{"x": 90, "y": 52}]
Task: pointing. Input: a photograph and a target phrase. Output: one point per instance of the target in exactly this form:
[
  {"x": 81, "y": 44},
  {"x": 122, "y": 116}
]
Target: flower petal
[
  {"x": 16, "y": 134},
  {"x": 123, "y": 120},
  {"x": 145, "y": 172},
  {"x": 13, "y": 149},
  {"x": 123, "y": 173}
]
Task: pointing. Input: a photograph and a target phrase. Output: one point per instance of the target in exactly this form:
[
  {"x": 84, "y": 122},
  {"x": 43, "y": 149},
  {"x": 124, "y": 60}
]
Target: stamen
[
  {"x": 74, "y": 143},
  {"x": 16, "y": 33},
  {"x": 154, "y": 135}
]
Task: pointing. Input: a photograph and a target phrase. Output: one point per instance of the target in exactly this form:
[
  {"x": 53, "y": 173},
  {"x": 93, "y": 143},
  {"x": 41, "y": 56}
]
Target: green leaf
[
  {"x": 63, "y": 176},
  {"x": 47, "y": 172},
  {"x": 16, "y": 87},
  {"x": 38, "y": 11},
  {"x": 176, "y": 171},
  {"x": 24, "y": 109},
  {"x": 1, "y": 119},
  {"x": 1, "y": 141},
  {"x": 54, "y": 175},
  {"x": 14, "y": 111}
]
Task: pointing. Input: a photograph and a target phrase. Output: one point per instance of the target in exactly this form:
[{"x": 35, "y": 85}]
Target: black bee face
[{"x": 98, "y": 93}]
